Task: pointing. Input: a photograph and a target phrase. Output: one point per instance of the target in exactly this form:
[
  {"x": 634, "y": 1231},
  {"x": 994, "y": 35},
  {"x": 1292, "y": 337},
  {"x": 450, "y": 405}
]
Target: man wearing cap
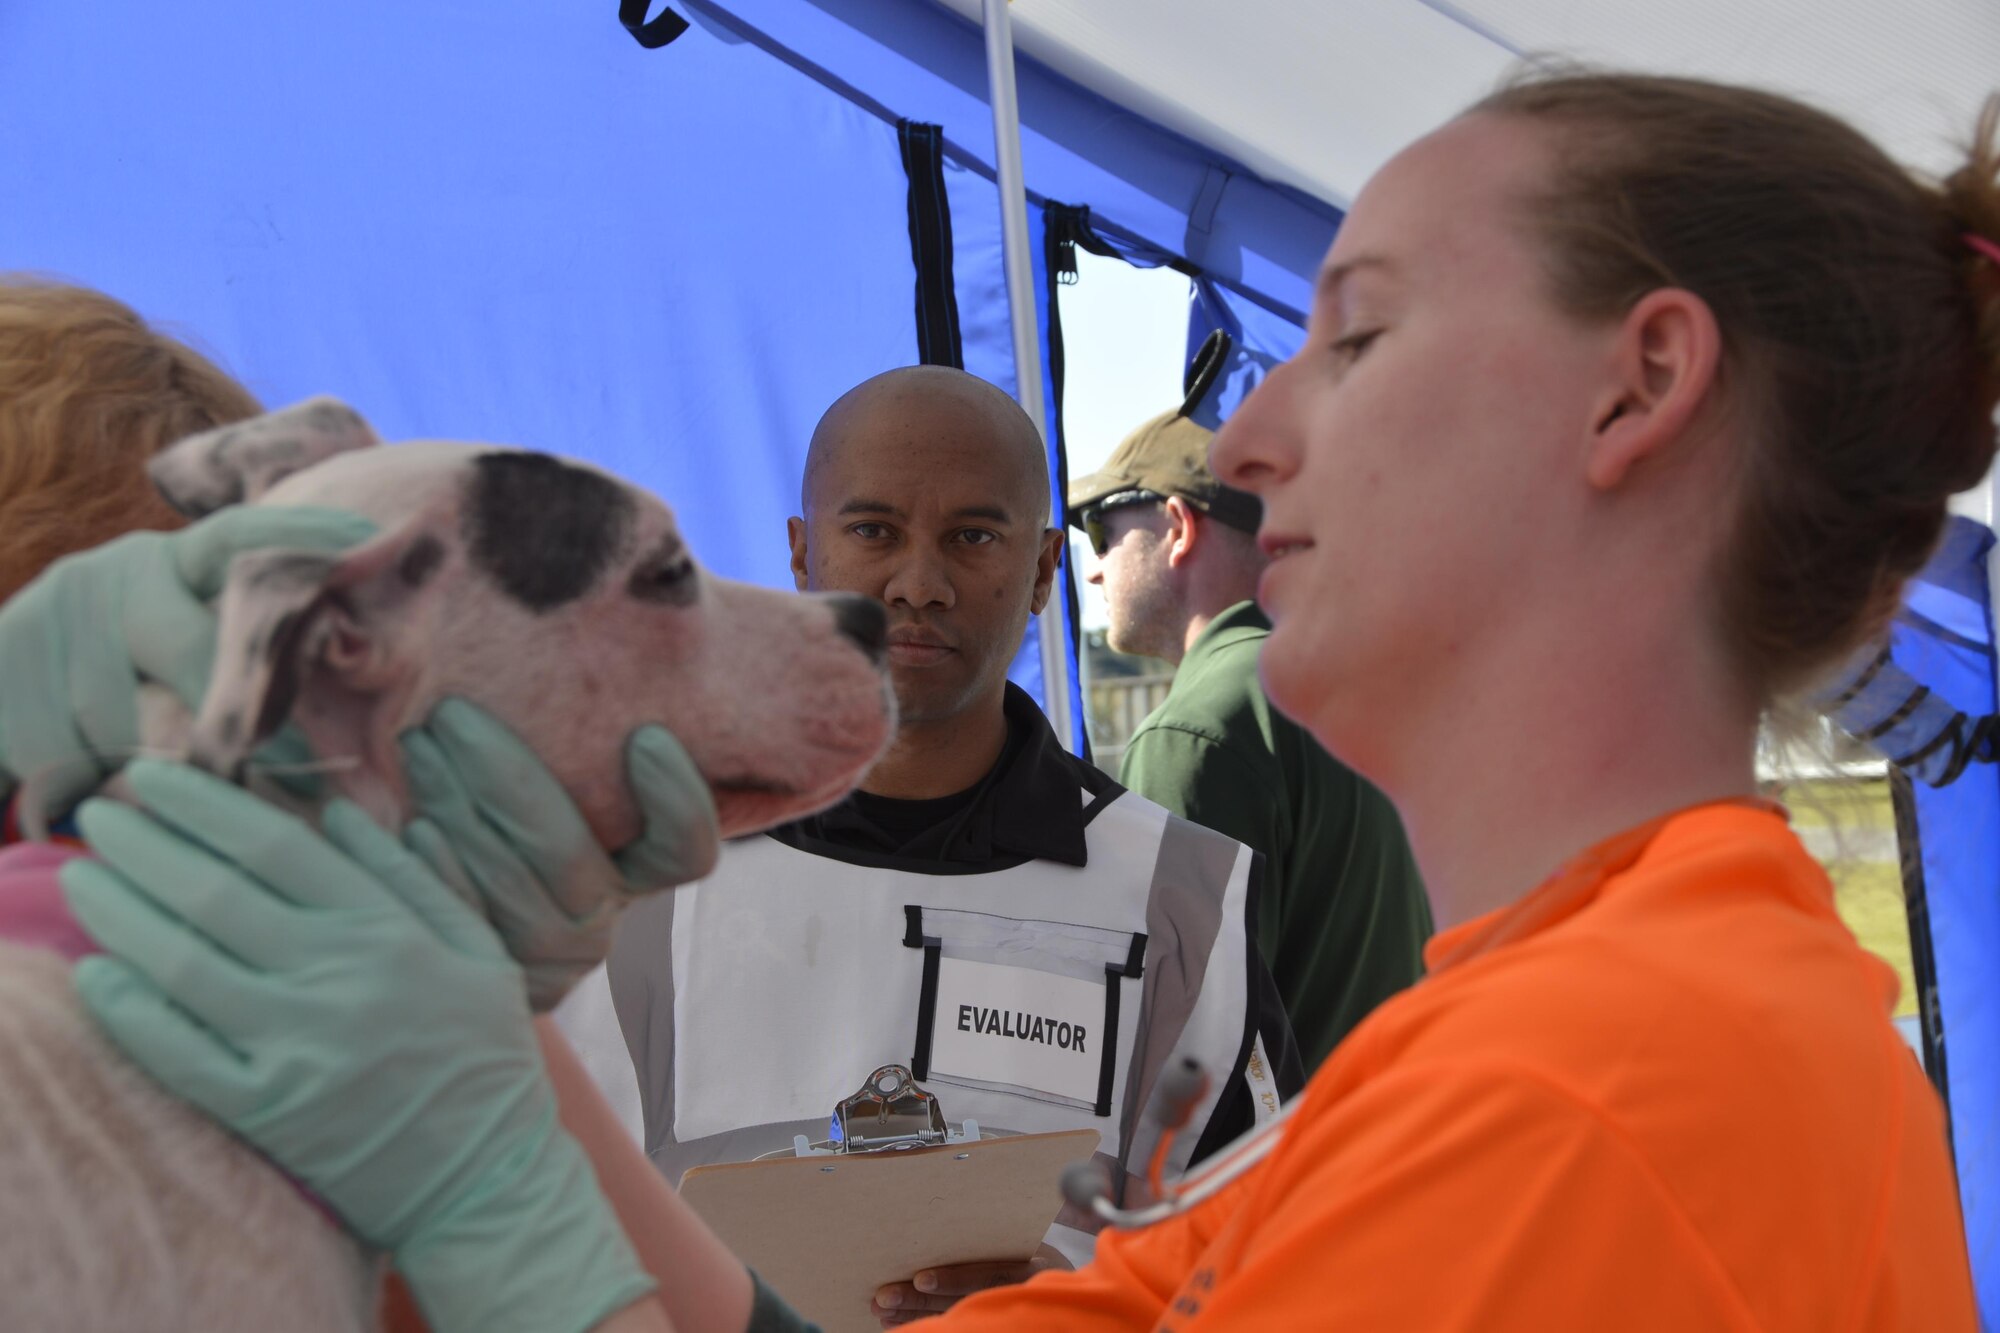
[{"x": 1343, "y": 916}]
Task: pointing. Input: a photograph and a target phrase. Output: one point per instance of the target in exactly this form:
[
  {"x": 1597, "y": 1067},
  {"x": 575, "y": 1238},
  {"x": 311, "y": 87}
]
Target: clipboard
[{"x": 825, "y": 1231}]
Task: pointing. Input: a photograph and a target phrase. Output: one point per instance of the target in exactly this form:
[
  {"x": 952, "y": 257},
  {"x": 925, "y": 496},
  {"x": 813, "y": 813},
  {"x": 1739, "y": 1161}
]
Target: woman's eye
[{"x": 1353, "y": 345}]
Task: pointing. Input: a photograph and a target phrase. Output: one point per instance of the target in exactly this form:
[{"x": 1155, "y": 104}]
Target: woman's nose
[{"x": 1253, "y": 450}]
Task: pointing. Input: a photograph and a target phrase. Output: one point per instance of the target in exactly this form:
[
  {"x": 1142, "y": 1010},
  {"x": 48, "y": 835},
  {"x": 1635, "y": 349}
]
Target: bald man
[{"x": 1033, "y": 941}]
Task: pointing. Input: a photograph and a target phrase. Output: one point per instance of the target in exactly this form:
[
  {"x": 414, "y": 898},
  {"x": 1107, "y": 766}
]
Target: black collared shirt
[{"x": 1028, "y": 807}]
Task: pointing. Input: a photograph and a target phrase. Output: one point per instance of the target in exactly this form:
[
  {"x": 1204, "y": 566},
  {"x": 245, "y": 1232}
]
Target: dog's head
[{"x": 547, "y": 592}]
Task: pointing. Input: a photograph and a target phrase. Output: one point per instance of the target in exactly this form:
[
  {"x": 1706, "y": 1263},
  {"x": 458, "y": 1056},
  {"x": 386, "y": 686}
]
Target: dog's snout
[{"x": 863, "y": 620}]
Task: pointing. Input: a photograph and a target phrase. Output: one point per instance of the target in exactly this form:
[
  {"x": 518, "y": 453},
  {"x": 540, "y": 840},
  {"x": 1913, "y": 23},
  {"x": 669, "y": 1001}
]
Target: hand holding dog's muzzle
[
  {"x": 494, "y": 823},
  {"x": 76, "y": 644},
  {"x": 333, "y": 1003}
]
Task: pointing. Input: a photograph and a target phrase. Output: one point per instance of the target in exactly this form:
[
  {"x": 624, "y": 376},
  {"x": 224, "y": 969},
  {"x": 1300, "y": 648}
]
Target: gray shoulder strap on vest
[
  {"x": 1197, "y": 989},
  {"x": 641, "y": 967}
]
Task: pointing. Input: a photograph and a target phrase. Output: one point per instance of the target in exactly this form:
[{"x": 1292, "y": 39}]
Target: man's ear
[
  {"x": 1183, "y": 532},
  {"x": 234, "y": 464},
  {"x": 1047, "y": 561},
  {"x": 795, "y": 533},
  {"x": 1665, "y": 365},
  {"x": 333, "y": 643}
]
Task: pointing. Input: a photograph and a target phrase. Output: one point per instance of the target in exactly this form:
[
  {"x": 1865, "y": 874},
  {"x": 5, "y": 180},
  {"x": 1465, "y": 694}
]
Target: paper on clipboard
[{"x": 824, "y": 1232}]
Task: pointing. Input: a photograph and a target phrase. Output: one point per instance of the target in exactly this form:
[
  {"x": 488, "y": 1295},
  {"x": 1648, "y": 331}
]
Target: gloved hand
[
  {"x": 496, "y": 826},
  {"x": 334, "y": 1004},
  {"x": 76, "y": 643}
]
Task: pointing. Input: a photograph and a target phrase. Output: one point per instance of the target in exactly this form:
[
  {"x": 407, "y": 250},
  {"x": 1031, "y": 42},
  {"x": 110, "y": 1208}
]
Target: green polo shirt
[{"x": 1343, "y": 918}]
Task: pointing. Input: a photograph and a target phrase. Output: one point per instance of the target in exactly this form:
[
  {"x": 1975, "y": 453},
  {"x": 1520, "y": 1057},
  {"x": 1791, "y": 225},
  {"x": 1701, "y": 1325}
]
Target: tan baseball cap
[{"x": 1169, "y": 456}]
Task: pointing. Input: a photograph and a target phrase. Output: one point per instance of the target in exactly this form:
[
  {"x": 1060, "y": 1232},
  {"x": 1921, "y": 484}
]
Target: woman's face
[{"x": 1421, "y": 457}]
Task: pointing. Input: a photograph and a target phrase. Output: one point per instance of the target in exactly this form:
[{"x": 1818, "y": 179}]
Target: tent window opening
[
  {"x": 1846, "y": 809},
  {"x": 1124, "y": 341}
]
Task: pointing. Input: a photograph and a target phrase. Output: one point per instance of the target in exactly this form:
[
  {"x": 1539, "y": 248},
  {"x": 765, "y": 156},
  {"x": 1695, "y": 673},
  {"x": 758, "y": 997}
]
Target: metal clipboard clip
[{"x": 888, "y": 1113}]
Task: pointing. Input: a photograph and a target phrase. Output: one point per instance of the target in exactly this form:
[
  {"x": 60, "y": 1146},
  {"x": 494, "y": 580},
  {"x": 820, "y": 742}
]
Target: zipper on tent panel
[{"x": 939, "y": 342}]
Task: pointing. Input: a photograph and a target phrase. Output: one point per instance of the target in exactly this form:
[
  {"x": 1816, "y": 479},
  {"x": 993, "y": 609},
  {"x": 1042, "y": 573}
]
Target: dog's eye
[{"x": 671, "y": 580}]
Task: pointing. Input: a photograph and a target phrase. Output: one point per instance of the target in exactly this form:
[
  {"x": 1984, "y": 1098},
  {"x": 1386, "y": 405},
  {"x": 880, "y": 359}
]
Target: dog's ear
[
  {"x": 232, "y": 464},
  {"x": 331, "y": 643}
]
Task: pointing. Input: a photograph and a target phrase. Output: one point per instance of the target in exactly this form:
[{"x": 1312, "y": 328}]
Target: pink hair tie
[{"x": 1985, "y": 247}]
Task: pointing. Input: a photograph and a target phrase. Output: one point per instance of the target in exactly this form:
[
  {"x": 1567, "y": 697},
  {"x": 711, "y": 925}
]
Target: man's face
[
  {"x": 1139, "y": 600},
  {"x": 917, "y": 506}
]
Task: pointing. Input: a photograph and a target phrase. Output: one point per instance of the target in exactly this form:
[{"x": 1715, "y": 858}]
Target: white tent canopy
[{"x": 1317, "y": 94}]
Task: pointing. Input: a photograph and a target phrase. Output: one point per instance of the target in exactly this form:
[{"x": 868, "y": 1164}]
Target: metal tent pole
[{"x": 1021, "y": 306}]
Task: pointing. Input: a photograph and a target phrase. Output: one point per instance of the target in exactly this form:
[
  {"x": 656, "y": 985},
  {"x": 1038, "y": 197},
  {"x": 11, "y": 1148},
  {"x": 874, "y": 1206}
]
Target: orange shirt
[{"x": 1661, "y": 1092}]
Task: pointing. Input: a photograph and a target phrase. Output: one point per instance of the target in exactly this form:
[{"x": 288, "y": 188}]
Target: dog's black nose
[{"x": 863, "y": 620}]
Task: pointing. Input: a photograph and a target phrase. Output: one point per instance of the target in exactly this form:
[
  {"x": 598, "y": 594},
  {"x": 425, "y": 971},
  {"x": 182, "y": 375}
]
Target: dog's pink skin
[{"x": 128, "y": 1208}]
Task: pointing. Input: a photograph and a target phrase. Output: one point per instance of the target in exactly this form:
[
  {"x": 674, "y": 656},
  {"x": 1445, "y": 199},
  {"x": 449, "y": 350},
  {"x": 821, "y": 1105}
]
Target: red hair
[{"x": 88, "y": 393}]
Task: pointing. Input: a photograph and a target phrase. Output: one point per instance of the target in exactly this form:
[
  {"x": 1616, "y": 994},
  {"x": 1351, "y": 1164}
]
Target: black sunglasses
[{"x": 1091, "y": 517}]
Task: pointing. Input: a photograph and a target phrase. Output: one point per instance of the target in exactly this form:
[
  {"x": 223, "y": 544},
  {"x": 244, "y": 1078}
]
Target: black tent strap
[
  {"x": 721, "y": 17},
  {"x": 1968, "y": 739},
  {"x": 1899, "y": 716},
  {"x": 1962, "y": 738},
  {"x": 938, "y": 339},
  {"x": 1923, "y": 956},
  {"x": 1071, "y": 226},
  {"x": 1947, "y": 744},
  {"x": 654, "y": 33},
  {"x": 1860, "y": 682},
  {"x": 1059, "y": 222}
]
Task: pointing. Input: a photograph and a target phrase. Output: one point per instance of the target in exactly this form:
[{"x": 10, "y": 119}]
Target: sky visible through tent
[{"x": 1124, "y": 351}]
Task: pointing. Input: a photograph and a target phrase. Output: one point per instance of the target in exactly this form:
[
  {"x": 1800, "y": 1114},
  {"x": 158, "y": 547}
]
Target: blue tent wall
[
  {"x": 1154, "y": 194},
  {"x": 921, "y": 61},
  {"x": 529, "y": 231},
  {"x": 1946, "y": 642},
  {"x": 1927, "y": 705}
]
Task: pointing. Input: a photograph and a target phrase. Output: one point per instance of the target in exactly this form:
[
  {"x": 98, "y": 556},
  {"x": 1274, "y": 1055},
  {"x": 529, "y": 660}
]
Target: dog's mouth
[
  {"x": 744, "y": 806},
  {"x": 750, "y": 787},
  {"x": 831, "y": 756}
]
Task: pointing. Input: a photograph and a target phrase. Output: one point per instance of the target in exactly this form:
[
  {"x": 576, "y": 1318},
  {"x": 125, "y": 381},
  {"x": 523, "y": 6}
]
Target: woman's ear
[{"x": 1665, "y": 366}]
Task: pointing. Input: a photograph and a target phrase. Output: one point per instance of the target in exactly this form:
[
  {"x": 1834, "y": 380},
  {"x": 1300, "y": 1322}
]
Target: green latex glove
[
  {"x": 495, "y": 824},
  {"x": 333, "y": 1003},
  {"x": 77, "y": 642}
]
